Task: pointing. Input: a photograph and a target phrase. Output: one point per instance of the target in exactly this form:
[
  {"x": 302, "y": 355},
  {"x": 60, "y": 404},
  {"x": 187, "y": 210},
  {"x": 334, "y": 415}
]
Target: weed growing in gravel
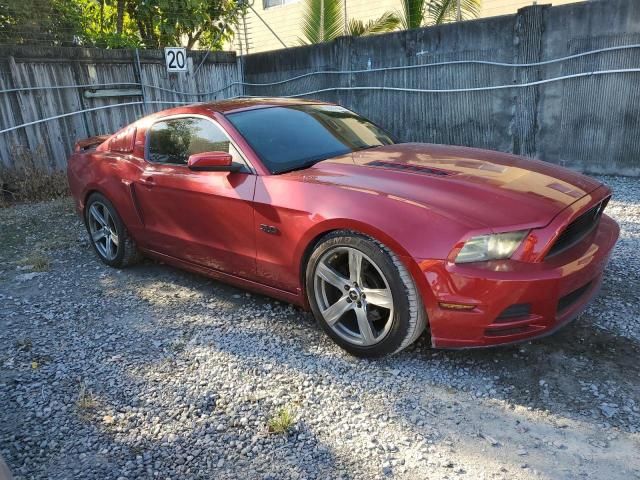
[
  {"x": 85, "y": 400},
  {"x": 179, "y": 345},
  {"x": 40, "y": 360},
  {"x": 24, "y": 344},
  {"x": 38, "y": 262},
  {"x": 282, "y": 421},
  {"x": 63, "y": 206}
]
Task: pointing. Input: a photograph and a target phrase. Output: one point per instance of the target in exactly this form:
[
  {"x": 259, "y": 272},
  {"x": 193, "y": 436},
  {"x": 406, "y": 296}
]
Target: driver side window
[{"x": 174, "y": 140}]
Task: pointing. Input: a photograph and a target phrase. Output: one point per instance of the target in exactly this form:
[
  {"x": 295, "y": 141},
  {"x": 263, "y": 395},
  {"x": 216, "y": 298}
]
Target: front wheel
[{"x": 363, "y": 296}]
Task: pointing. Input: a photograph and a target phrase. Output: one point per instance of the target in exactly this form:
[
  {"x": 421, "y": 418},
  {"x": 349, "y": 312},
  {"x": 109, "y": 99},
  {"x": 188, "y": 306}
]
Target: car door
[{"x": 201, "y": 217}]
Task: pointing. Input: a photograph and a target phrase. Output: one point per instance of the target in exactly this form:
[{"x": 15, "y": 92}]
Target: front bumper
[{"x": 513, "y": 300}]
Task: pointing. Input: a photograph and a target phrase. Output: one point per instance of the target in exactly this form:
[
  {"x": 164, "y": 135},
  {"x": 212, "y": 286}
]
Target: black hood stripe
[{"x": 408, "y": 167}]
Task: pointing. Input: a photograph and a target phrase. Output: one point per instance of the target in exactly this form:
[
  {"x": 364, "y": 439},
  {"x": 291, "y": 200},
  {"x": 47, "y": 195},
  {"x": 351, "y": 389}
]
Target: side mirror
[{"x": 212, "y": 162}]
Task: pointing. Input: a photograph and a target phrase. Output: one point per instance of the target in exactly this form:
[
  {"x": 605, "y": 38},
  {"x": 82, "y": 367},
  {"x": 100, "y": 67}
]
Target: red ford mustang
[{"x": 310, "y": 203}]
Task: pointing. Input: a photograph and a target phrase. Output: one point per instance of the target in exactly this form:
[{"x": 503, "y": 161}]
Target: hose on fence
[
  {"x": 333, "y": 89},
  {"x": 86, "y": 110},
  {"x": 332, "y": 72}
]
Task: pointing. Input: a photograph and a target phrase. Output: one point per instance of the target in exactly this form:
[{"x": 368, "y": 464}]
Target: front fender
[
  {"x": 409, "y": 229},
  {"x": 305, "y": 247}
]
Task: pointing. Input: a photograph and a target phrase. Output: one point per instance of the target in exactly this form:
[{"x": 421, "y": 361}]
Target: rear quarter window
[
  {"x": 174, "y": 140},
  {"x": 123, "y": 142}
]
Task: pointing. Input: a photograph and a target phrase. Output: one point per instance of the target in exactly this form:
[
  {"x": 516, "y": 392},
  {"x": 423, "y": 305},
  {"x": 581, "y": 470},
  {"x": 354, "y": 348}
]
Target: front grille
[
  {"x": 578, "y": 229},
  {"x": 571, "y": 298},
  {"x": 506, "y": 331},
  {"x": 517, "y": 310}
]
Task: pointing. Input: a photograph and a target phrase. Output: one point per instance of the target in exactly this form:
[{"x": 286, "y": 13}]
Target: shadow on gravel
[
  {"x": 565, "y": 372},
  {"x": 167, "y": 322},
  {"x": 560, "y": 374}
]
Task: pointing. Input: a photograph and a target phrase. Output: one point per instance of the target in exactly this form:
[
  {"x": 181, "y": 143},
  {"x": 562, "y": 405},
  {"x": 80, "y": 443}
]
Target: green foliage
[
  {"x": 168, "y": 22},
  {"x": 120, "y": 23},
  {"x": 387, "y": 22},
  {"x": 53, "y": 22},
  {"x": 413, "y": 12},
  {"x": 443, "y": 11},
  {"x": 207, "y": 23},
  {"x": 419, "y": 13},
  {"x": 99, "y": 26},
  {"x": 282, "y": 421},
  {"x": 323, "y": 21}
]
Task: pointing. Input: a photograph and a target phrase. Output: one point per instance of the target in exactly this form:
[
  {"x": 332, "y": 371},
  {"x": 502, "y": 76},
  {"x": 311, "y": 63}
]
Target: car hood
[{"x": 483, "y": 188}]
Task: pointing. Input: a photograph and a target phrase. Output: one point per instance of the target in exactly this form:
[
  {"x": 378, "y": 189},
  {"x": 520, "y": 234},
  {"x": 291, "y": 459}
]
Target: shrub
[{"x": 31, "y": 179}]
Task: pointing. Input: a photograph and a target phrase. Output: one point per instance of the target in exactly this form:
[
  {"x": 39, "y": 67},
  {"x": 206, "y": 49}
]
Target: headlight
[{"x": 490, "y": 247}]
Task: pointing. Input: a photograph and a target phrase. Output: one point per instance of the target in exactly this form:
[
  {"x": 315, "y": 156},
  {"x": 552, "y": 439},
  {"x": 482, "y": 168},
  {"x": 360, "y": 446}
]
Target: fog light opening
[{"x": 456, "y": 306}]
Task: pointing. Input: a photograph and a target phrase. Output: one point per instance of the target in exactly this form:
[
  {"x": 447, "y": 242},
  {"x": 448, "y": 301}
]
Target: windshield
[{"x": 294, "y": 137}]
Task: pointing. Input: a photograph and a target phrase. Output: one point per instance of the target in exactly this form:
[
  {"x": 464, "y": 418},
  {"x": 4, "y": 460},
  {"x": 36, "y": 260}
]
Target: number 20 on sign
[{"x": 176, "y": 59}]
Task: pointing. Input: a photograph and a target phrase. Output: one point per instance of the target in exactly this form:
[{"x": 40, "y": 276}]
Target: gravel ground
[{"x": 151, "y": 372}]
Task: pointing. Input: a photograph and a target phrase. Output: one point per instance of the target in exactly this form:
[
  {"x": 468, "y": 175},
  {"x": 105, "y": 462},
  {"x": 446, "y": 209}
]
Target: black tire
[
  {"x": 126, "y": 252},
  {"x": 407, "y": 315}
]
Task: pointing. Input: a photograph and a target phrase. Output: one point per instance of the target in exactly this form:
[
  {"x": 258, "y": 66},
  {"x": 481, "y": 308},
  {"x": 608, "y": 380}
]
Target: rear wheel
[
  {"x": 107, "y": 234},
  {"x": 363, "y": 296}
]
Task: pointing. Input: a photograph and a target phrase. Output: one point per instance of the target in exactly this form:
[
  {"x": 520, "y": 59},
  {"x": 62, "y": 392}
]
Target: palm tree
[
  {"x": 387, "y": 22},
  {"x": 323, "y": 21},
  {"x": 419, "y": 13}
]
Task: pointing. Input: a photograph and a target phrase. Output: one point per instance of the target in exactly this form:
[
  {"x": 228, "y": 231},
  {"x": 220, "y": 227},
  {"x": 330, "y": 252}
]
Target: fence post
[
  {"x": 343, "y": 60},
  {"x": 137, "y": 69},
  {"x": 10, "y": 115},
  {"x": 528, "y": 32},
  {"x": 76, "y": 71},
  {"x": 27, "y": 106},
  {"x": 240, "y": 74}
]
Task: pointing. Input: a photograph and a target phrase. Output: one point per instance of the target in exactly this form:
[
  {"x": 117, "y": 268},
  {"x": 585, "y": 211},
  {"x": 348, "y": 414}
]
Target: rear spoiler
[{"x": 90, "y": 142}]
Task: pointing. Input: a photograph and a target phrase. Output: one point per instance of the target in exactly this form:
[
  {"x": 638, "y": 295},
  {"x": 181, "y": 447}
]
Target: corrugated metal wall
[
  {"x": 52, "y": 141},
  {"x": 590, "y": 123}
]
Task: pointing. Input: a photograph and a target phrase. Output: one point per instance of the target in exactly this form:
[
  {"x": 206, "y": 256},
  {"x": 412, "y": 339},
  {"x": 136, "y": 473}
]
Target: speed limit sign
[{"x": 176, "y": 59}]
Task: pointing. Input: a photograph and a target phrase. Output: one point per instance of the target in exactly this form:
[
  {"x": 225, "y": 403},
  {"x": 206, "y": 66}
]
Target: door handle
[{"x": 147, "y": 181}]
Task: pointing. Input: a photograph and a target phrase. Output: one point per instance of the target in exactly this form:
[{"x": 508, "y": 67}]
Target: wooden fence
[{"x": 138, "y": 78}]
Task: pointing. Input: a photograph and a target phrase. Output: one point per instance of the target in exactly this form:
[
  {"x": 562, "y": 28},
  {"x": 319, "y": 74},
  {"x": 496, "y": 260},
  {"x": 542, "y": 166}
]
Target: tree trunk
[
  {"x": 152, "y": 39},
  {"x": 120, "y": 16},
  {"x": 147, "y": 34},
  {"x": 101, "y": 16},
  {"x": 191, "y": 40}
]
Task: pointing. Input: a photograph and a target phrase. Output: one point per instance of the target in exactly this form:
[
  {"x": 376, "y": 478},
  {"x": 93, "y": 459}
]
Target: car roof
[
  {"x": 236, "y": 105},
  {"x": 244, "y": 103}
]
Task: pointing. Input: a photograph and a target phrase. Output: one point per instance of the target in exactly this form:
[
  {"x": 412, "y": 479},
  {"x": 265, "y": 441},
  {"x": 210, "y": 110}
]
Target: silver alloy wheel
[
  {"x": 102, "y": 229},
  {"x": 353, "y": 296}
]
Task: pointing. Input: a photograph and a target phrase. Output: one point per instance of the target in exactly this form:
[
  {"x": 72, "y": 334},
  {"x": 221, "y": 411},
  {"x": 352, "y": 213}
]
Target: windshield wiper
[
  {"x": 312, "y": 162},
  {"x": 299, "y": 167},
  {"x": 367, "y": 147}
]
